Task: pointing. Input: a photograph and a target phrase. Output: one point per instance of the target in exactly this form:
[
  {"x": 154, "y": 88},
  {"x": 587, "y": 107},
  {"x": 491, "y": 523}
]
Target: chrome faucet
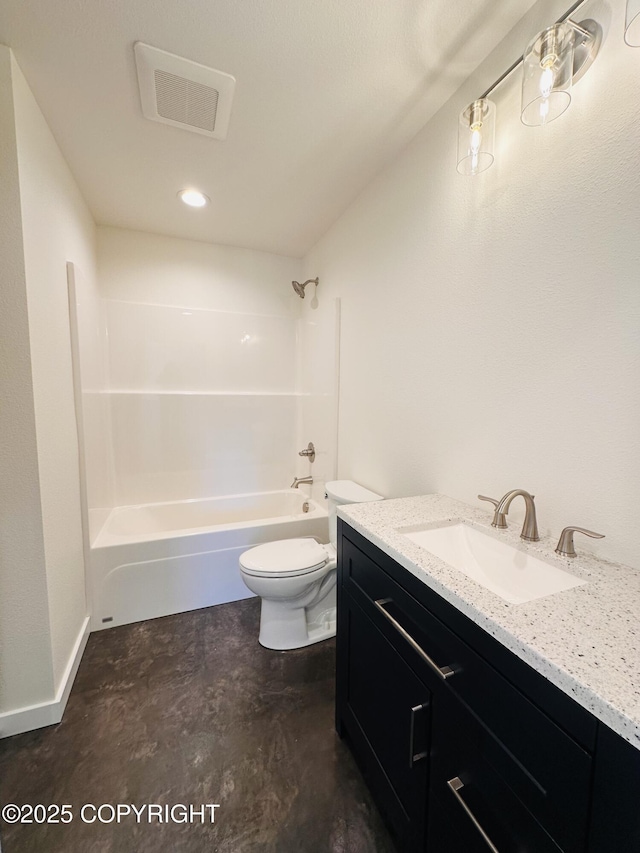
[
  {"x": 530, "y": 526},
  {"x": 304, "y": 480}
]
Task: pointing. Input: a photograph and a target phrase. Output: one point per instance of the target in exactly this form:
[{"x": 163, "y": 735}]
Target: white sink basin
[{"x": 512, "y": 574}]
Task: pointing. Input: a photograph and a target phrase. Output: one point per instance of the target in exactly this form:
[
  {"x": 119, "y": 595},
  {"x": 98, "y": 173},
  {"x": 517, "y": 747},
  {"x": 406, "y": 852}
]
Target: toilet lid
[{"x": 284, "y": 557}]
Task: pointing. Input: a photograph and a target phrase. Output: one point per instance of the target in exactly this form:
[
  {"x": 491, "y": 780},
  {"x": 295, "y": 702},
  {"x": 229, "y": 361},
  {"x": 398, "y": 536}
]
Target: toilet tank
[{"x": 341, "y": 492}]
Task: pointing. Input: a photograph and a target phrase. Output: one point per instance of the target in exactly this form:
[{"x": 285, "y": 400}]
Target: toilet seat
[{"x": 284, "y": 558}]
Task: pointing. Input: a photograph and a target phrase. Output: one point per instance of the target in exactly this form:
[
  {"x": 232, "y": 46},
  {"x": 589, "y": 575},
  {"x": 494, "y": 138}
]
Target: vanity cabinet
[{"x": 463, "y": 745}]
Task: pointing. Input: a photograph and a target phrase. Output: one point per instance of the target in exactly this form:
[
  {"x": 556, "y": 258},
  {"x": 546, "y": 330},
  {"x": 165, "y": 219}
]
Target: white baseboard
[{"x": 47, "y": 713}]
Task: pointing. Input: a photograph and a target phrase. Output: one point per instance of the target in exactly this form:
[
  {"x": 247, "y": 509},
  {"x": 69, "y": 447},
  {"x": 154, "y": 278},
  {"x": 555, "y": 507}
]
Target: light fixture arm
[{"x": 579, "y": 29}]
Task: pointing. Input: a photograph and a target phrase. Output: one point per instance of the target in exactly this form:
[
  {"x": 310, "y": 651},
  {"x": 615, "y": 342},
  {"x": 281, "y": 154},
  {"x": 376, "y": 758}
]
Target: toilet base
[
  {"x": 316, "y": 632},
  {"x": 284, "y": 628},
  {"x": 324, "y": 627}
]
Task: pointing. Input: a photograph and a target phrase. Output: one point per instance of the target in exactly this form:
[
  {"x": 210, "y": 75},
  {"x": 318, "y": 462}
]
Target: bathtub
[{"x": 157, "y": 559}]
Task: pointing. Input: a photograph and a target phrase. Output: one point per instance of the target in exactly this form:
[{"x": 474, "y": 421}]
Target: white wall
[
  {"x": 43, "y": 613},
  {"x": 202, "y": 345},
  {"x": 26, "y": 676},
  {"x": 149, "y": 268},
  {"x": 490, "y": 324},
  {"x": 57, "y": 227}
]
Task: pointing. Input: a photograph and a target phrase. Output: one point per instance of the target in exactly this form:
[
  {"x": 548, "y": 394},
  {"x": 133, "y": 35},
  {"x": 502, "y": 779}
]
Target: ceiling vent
[{"x": 182, "y": 93}]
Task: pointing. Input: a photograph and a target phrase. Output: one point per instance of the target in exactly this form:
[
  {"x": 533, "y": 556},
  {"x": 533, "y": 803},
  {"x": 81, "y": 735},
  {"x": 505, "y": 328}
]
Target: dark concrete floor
[{"x": 190, "y": 709}]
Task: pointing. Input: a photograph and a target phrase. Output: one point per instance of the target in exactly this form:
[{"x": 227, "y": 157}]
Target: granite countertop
[{"x": 585, "y": 640}]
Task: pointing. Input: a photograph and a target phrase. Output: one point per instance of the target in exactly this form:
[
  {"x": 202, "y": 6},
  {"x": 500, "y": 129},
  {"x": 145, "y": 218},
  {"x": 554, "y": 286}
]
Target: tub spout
[{"x": 297, "y": 480}]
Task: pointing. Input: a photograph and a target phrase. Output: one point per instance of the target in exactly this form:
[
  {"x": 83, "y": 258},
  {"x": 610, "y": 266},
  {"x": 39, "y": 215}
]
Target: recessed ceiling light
[{"x": 194, "y": 198}]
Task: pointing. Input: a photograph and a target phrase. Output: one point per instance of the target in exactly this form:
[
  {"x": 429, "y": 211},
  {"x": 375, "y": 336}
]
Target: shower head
[{"x": 299, "y": 288}]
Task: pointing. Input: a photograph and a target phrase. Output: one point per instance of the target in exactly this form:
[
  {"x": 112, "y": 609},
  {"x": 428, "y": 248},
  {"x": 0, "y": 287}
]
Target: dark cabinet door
[
  {"x": 385, "y": 711},
  {"x": 472, "y": 806},
  {"x": 615, "y": 819}
]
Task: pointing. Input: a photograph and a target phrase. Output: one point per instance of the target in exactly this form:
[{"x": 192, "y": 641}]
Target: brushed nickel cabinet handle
[
  {"x": 443, "y": 672},
  {"x": 414, "y": 757},
  {"x": 455, "y": 786}
]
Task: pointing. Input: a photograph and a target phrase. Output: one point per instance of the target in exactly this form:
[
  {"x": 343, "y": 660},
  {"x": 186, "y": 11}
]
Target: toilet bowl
[{"x": 296, "y": 579}]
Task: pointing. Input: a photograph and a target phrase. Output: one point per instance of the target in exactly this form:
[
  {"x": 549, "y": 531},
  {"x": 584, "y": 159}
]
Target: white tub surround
[
  {"x": 194, "y": 375},
  {"x": 584, "y": 640},
  {"x": 195, "y": 395},
  {"x": 158, "y": 559}
]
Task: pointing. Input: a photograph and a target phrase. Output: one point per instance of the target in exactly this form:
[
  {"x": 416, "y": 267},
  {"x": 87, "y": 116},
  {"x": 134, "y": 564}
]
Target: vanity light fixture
[
  {"x": 632, "y": 24},
  {"x": 476, "y": 133},
  {"x": 555, "y": 59},
  {"x": 547, "y": 75},
  {"x": 194, "y": 198}
]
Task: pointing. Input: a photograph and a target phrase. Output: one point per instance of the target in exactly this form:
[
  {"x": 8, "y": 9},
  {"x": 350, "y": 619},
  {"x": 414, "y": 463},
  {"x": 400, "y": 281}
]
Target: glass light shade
[
  {"x": 632, "y": 24},
  {"x": 476, "y": 136},
  {"x": 547, "y": 75}
]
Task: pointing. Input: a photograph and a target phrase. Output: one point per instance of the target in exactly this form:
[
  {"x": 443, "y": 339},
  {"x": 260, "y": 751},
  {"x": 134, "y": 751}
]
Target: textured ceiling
[{"x": 327, "y": 92}]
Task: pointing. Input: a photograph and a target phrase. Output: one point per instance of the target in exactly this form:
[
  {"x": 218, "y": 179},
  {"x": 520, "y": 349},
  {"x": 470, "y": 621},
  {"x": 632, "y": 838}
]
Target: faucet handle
[
  {"x": 309, "y": 451},
  {"x": 491, "y": 500},
  {"x": 499, "y": 518},
  {"x": 565, "y": 544}
]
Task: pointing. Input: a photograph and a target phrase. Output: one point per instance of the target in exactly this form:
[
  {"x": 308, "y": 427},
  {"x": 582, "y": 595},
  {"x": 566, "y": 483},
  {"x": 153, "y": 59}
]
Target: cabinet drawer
[
  {"x": 536, "y": 758},
  {"x": 464, "y": 751},
  {"x": 452, "y": 829}
]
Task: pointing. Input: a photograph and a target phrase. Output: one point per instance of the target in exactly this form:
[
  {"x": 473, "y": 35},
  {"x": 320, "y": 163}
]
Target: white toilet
[{"x": 296, "y": 579}]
